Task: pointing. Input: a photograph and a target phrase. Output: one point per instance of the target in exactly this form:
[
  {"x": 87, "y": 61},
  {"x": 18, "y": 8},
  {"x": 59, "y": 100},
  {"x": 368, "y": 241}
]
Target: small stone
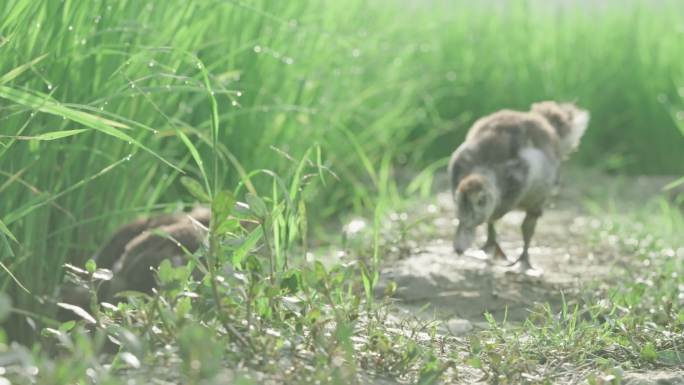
[{"x": 458, "y": 326}]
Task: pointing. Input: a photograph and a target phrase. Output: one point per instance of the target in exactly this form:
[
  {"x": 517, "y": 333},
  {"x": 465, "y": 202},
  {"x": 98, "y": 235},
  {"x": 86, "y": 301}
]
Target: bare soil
[
  {"x": 435, "y": 283},
  {"x": 460, "y": 289}
]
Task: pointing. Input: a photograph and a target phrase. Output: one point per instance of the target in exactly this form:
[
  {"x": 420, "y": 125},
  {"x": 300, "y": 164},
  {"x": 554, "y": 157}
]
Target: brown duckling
[{"x": 510, "y": 160}]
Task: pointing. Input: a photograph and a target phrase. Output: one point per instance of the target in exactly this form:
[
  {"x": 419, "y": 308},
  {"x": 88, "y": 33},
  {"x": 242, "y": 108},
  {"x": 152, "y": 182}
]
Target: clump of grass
[
  {"x": 115, "y": 109},
  {"x": 85, "y": 86},
  {"x": 247, "y": 307},
  {"x": 635, "y": 321}
]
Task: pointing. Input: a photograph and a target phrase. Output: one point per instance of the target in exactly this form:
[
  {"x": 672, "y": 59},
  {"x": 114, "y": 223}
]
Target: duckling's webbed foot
[
  {"x": 491, "y": 247},
  {"x": 522, "y": 263}
]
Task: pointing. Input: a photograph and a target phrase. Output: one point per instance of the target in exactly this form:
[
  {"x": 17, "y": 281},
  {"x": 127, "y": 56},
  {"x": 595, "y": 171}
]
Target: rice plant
[{"x": 114, "y": 109}]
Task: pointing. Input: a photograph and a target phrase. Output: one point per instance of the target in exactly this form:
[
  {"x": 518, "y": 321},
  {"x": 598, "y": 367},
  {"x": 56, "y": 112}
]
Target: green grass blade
[
  {"x": 198, "y": 159},
  {"x": 53, "y": 135},
  {"x": 361, "y": 153},
  {"x": 5, "y": 230},
  {"x": 14, "y": 216},
  {"x": 674, "y": 184},
  {"x": 45, "y": 104},
  {"x": 9, "y": 76},
  {"x": 215, "y": 122},
  {"x": 7, "y": 270}
]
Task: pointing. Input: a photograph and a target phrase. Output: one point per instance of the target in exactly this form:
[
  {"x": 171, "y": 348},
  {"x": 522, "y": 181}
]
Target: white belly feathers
[{"x": 541, "y": 177}]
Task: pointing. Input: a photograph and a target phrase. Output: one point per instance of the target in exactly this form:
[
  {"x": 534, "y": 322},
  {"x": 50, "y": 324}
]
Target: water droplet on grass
[
  {"x": 71, "y": 28},
  {"x": 356, "y": 52},
  {"x": 49, "y": 86},
  {"x": 151, "y": 64},
  {"x": 239, "y": 93},
  {"x": 257, "y": 48},
  {"x": 234, "y": 103}
]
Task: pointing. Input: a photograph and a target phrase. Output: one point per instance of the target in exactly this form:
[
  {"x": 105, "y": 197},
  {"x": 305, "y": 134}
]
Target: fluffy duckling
[
  {"x": 510, "y": 160},
  {"x": 137, "y": 247}
]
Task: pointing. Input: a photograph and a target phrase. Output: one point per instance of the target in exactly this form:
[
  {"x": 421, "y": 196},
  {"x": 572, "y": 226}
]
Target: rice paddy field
[{"x": 315, "y": 113}]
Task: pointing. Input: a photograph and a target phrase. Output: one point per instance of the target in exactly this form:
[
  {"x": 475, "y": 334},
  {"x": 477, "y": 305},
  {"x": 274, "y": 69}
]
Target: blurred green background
[{"x": 387, "y": 89}]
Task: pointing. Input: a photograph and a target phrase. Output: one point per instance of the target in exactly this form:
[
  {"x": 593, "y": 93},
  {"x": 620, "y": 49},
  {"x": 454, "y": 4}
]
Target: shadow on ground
[{"x": 435, "y": 282}]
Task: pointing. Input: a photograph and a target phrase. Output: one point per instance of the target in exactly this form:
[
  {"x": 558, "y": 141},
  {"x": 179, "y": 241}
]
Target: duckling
[
  {"x": 510, "y": 160},
  {"x": 134, "y": 249},
  {"x": 133, "y": 269},
  {"x": 111, "y": 253},
  {"x": 140, "y": 246}
]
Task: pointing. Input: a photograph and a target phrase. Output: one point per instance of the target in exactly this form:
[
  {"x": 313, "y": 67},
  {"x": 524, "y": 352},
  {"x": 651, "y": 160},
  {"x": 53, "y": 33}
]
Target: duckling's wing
[
  {"x": 460, "y": 165},
  {"x": 512, "y": 176}
]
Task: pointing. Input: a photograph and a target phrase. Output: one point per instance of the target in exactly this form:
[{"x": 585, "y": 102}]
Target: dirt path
[
  {"x": 460, "y": 289},
  {"x": 435, "y": 283}
]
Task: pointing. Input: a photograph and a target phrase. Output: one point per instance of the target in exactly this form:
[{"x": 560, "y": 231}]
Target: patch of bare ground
[
  {"x": 432, "y": 280},
  {"x": 434, "y": 283}
]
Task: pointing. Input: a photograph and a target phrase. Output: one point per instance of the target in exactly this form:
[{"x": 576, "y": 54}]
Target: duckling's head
[{"x": 476, "y": 200}]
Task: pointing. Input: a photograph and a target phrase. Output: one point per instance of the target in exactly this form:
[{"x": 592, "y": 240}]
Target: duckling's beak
[{"x": 463, "y": 239}]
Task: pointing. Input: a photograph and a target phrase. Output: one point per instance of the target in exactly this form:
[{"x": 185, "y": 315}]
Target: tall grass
[{"x": 99, "y": 100}]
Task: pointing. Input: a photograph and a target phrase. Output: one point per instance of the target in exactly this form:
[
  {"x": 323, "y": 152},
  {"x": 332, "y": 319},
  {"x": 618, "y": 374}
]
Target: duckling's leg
[
  {"x": 491, "y": 247},
  {"x": 528, "y": 225}
]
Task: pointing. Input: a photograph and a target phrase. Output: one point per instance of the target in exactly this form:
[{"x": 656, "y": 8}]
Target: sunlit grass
[{"x": 105, "y": 106}]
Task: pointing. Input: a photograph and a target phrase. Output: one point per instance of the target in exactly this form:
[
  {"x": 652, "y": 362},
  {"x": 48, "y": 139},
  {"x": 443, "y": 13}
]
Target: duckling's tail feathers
[{"x": 570, "y": 139}]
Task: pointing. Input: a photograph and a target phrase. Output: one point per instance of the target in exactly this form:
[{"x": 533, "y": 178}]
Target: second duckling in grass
[{"x": 510, "y": 160}]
